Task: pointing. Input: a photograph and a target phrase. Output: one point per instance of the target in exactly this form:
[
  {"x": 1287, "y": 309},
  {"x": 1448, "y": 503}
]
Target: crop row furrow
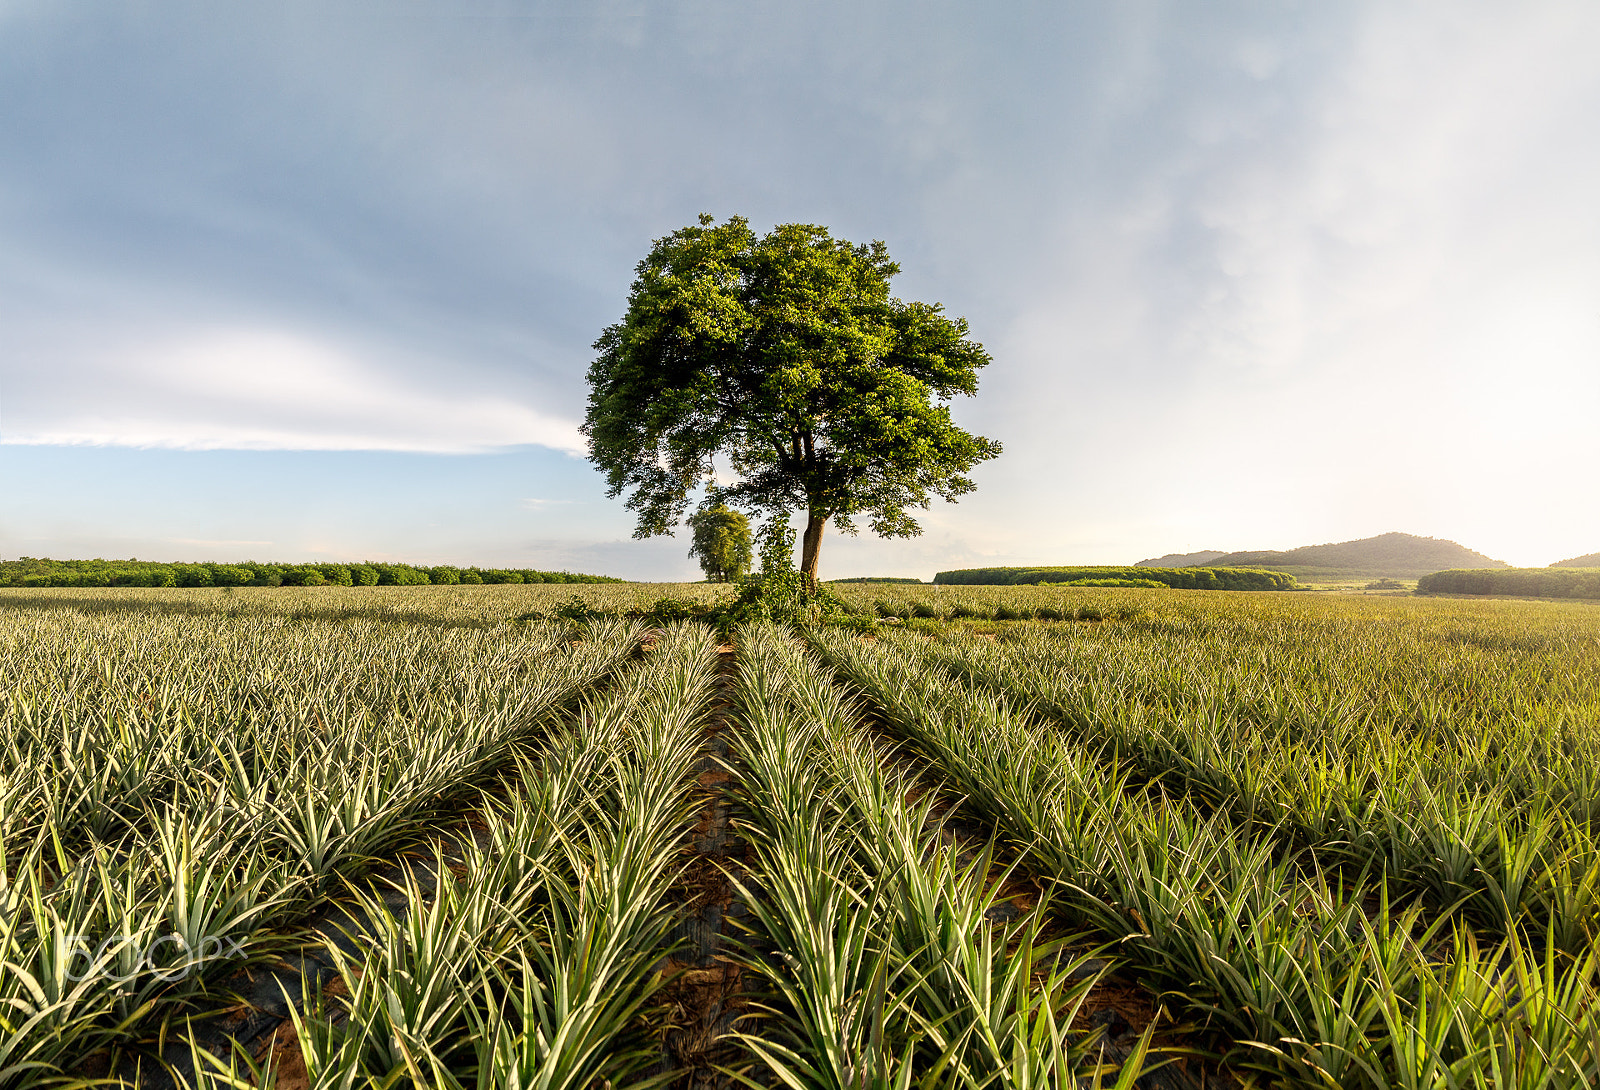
[
  {"x": 1318, "y": 983},
  {"x": 106, "y": 940},
  {"x": 873, "y": 935},
  {"x": 1329, "y": 785},
  {"x": 533, "y": 964}
]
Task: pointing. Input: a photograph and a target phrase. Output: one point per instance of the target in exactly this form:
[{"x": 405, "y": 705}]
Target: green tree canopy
[
  {"x": 786, "y": 355},
  {"x": 721, "y": 543}
]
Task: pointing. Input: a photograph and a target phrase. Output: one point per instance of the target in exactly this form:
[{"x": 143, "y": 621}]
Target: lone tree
[
  {"x": 721, "y": 543},
  {"x": 786, "y": 355}
]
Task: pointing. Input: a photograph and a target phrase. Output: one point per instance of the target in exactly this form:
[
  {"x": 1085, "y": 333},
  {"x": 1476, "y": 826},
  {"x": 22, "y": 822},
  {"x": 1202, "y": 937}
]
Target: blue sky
[{"x": 309, "y": 281}]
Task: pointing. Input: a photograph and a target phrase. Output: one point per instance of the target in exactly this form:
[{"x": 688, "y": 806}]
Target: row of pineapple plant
[
  {"x": 1307, "y": 977},
  {"x": 178, "y": 793}
]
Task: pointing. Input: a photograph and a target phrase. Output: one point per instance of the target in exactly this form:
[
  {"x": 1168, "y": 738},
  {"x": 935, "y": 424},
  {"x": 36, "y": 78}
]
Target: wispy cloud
[
  {"x": 267, "y": 389},
  {"x": 1252, "y": 275}
]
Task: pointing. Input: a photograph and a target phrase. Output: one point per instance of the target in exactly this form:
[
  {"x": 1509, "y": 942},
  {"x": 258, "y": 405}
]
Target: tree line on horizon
[
  {"x": 1105, "y": 575},
  {"x": 43, "y": 572},
  {"x": 1551, "y": 582}
]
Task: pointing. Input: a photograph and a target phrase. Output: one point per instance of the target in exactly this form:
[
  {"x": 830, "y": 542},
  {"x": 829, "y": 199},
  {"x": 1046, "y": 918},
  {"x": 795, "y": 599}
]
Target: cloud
[
  {"x": 268, "y": 389},
  {"x": 1252, "y": 276},
  {"x": 1304, "y": 293}
]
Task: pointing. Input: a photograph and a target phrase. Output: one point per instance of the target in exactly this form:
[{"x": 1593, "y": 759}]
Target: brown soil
[
  {"x": 282, "y": 1049},
  {"x": 705, "y": 991}
]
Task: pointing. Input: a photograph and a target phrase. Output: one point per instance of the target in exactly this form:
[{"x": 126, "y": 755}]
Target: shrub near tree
[
  {"x": 721, "y": 543},
  {"x": 779, "y": 592}
]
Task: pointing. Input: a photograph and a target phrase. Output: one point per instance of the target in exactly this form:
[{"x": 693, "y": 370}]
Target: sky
[{"x": 319, "y": 281}]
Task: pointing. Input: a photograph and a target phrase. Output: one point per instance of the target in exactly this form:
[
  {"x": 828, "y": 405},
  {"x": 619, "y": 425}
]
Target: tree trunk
[{"x": 811, "y": 545}]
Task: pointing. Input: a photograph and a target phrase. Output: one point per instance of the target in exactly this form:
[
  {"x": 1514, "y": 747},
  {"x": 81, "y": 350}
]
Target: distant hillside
[
  {"x": 1399, "y": 556},
  {"x": 1590, "y": 560},
  {"x": 1182, "y": 560}
]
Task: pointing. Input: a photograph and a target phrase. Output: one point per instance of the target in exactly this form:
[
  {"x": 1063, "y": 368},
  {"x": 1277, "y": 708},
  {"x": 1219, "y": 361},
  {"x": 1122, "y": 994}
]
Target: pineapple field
[{"x": 601, "y": 837}]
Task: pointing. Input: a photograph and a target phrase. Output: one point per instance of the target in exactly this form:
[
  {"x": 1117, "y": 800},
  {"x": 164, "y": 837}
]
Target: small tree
[
  {"x": 787, "y": 355},
  {"x": 721, "y": 543}
]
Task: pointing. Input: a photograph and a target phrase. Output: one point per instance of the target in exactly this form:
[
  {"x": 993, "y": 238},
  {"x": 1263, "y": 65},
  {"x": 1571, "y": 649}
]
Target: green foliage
[
  {"x": 35, "y": 572},
  {"x": 264, "y": 575},
  {"x": 1350, "y": 840},
  {"x": 721, "y": 543},
  {"x": 787, "y": 355},
  {"x": 1048, "y": 602},
  {"x": 336, "y": 575},
  {"x": 877, "y": 579},
  {"x": 780, "y": 593},
  {"x": 1330, "y": 839},
  {"x": 133, "y": 737},
  {"x": 1129, "y": 576},
  {"x": 665, "y": 611},
  {"x": 890, "y": 970},
  {"x": 575, "y": 608},
  {"x": 194, "y": 575},
  {"x": 400, "y": 575},
  {"x": 228, "y": 575},
  {"x": 1552, "y": 582},
  {"x": 860, "y": 623}
]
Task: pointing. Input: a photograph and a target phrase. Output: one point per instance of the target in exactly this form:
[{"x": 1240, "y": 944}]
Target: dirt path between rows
[{"x": 706, "y": 1000}]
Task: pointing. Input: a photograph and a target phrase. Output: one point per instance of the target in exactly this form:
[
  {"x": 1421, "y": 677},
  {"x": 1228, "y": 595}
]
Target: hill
[
  {"x": 1397, "y": 556},
  {"x": 1182, "y": 560},
  {"x": 1589, "y": 560}
]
